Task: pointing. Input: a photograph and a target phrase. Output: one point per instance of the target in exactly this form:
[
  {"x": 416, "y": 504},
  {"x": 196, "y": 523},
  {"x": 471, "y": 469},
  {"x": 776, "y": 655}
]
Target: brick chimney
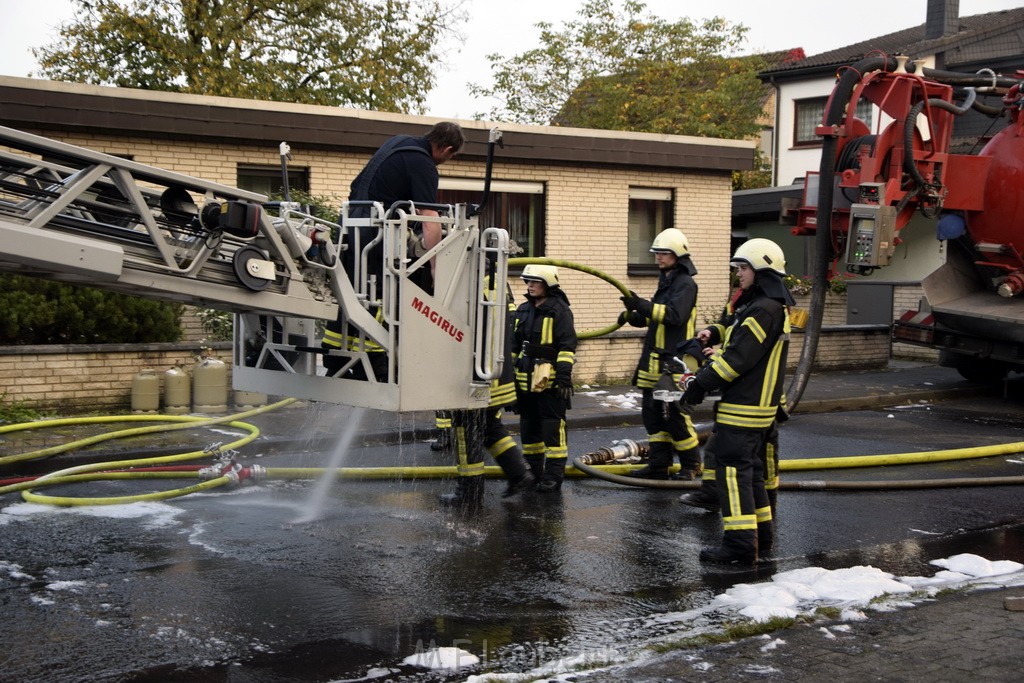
[{"x": 943, "y": 18}]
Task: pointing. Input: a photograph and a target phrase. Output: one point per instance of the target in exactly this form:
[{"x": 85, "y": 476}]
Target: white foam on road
[
  {"x": 155, "y": 514},
  {"x": 800, "y": 592}
]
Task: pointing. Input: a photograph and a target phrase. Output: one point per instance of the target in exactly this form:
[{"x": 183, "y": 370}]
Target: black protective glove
[
  {"x": 563, "y": 383},
  {"x": 693, "y": 392},
  {"x": 633, "y": 318},
  {"x": 512, "y": 407},
  {"x": 631, "y": 302},
  {"x": 781, "y": 414}
]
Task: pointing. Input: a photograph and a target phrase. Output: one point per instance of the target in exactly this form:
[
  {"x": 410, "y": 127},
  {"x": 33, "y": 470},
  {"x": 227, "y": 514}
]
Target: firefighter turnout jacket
[
  {"x": 544, "y": 334},
  {"x": 670, "y": 320},
  {"x": 750, "y": 367}
]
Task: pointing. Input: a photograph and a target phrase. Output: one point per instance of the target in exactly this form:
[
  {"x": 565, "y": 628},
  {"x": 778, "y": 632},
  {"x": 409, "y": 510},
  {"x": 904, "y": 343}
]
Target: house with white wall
[{"x": 945, "y": 41}]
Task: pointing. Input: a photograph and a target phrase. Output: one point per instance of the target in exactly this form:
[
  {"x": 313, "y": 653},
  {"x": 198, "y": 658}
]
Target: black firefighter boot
[
  {"x": 443, "y": 442},
  {"x": 690, "y": 465},
  {"x": 516, "y": 472},
  {"x": 705, "y": 497},
  {"x": 659, "y": 460},
  {"x": 738, "y": 547},
  {"x": 536, "y": 464},
  {"x": 765, "y": 538},
  {"x": 468, "y": 493},
  {"x": 554, "y": 471}
]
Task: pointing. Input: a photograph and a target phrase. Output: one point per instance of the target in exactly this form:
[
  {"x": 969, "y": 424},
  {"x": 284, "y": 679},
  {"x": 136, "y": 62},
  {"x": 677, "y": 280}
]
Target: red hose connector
[{"x": 1012, "y": 284}]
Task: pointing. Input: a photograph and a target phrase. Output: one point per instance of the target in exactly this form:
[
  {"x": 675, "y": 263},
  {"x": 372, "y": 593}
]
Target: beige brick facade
[
  {"x": 586, "y": 218},
  {"x": 587, "y": 176}
]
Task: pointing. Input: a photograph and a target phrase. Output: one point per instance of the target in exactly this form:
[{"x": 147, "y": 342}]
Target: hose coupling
[
  {"x": 253, "y": 473},
  {"x": 623, "y": 451},
  {"x": 1012, "y": 284},
  {"x": 214, "y": 450}
]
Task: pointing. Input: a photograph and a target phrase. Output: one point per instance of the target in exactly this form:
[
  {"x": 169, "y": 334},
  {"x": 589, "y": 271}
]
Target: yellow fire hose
[
  {"x": 613, "y": 473},
  {"x": 586, "y": 334}
]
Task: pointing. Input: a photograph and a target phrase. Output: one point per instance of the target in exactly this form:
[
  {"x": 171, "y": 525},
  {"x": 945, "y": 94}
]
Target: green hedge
[{"x": 35, "y": 311}]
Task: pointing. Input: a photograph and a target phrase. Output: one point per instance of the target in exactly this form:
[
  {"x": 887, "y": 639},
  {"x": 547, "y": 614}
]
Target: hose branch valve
[{"x": 229, "y": 469}]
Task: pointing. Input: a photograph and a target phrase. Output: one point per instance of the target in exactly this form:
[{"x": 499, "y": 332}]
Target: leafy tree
[
  {"x": 759, "y": 176},
  {"x": 372, "y": 54},
  {"x": 619, "y": 70},
  {"x": 36, "y": 311}
]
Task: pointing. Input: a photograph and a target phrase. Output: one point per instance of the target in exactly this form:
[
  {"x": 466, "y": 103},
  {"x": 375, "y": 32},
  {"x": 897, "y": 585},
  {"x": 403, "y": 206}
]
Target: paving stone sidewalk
[{"x": 967, "y": 636}]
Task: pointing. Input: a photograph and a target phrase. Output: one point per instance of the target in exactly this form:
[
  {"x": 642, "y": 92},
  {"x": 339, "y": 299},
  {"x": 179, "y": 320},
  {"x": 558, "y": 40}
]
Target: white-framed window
[
  {"x": 518, "y": 206},
  {"x": 268, "y": 180},
  {"x": 650, "y": 211}
]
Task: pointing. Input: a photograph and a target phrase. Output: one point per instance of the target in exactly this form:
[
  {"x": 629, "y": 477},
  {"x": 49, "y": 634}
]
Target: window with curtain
[
  {"x": 516, "y": 206},
  {"x": 808, "y": 115},
  {"x": 650, "y": 212}
]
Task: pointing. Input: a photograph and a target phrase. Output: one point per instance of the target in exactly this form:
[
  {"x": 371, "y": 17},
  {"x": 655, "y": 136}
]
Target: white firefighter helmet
[
  {"x": 761, "y": 254},
  {"x": 541, "y": 273},
  {"x": 672, "y": 240}
]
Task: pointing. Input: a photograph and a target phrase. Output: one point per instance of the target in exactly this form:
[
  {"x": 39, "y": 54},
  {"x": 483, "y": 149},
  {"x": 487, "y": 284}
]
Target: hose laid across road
[{"x": 70, "y": 474}]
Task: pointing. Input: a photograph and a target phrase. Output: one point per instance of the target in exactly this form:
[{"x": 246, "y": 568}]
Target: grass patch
[
  {"x": 734, "y": 631},
  {"x": 825, "y": 612},
  {"x": 15, "y": 412}
]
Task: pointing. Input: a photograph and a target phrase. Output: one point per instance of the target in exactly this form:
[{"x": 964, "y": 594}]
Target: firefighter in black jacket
[
  {"x": 749, "y": 370},
  {"x": 706, "y": 496},
  {"x": 669, "y": 319},
  {"x": 544, "y": 346}
]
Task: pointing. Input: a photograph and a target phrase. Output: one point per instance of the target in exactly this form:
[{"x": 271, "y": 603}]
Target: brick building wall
[
  {"x": 586, "y": 217},
  {"x": 98, "y": 378}
]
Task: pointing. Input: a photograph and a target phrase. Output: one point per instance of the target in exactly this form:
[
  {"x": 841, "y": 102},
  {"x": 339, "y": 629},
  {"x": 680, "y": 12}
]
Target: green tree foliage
[
  {"x": 626, "y": 70},
  {"x": 372, "y": 54},
  {"x": 36, "y": 311},
  {"x": 759, "y": 176}
]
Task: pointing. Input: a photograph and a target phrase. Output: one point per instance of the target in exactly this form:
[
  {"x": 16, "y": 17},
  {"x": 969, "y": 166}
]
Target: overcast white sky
[{"x": 507, "y": 27}]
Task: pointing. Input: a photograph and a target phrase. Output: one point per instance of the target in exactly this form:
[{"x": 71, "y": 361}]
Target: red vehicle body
[{"x": 974, "y": 308}]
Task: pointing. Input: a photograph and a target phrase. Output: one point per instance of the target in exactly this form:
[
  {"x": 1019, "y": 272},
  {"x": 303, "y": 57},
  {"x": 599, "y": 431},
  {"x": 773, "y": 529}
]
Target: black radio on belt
[{"x": 539, "y": 351}]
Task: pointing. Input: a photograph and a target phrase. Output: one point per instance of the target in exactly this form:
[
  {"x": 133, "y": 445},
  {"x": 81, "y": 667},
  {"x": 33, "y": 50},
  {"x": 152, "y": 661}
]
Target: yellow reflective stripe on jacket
[
  {"x": 749, "y": 417},
  {"x": 755, "y": 328},
  {"x": 723, "y": 369},
  {"x": 771, "y": 373},
  {"x": 547, "y": 331},
  {"x": 332, "y": 338},
  {"x": 657, "y": 313},
  {"x": 502, "y": 394},
  {"x": 566, "y": 357}
]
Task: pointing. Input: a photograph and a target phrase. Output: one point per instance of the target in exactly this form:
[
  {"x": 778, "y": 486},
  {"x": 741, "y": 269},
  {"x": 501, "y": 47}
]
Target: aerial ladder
[{"x": 76, "y": 215}]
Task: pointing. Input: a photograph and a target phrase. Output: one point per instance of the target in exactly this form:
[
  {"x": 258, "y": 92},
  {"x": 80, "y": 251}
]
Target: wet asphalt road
[{"x": 229, "y": 587}]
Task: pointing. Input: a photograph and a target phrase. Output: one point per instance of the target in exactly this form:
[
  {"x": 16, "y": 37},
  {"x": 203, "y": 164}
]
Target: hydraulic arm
[{"x": 76, "y": 215}]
